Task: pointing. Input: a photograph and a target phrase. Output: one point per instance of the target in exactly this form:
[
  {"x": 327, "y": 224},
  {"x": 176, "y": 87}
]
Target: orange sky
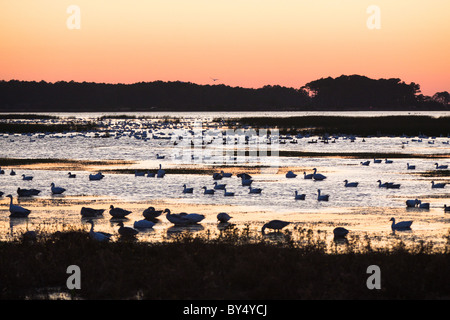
[{"x": 248, "y": 43}]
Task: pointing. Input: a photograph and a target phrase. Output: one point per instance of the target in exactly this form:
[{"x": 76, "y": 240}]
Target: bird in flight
[{"x": 213, "y": 79}]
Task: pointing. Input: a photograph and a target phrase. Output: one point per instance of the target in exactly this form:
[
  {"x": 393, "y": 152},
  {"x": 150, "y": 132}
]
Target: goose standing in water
[
  {"x": 228, "y": 194},
  {"x": 91, "y": 213},
  {"x": 322, "y": 197},
  {"x": 223, "y": 217},
  {"x": 219, "y": 186},
  {"x": 118, "y": 212},
  {"x": 254, "y": 190},
  {"x": 27, "y": 192},
  {"x": 160, "y": 173},
  {"x": 17, "y": 211},
  {"x": 275, "y": 225},
  {"x": 187, "y": 190},
  {"x": 340, "y": 232},
  {"x": 318, "y": 176},
  {"x": 403, "y": 225},
  {"x": 225, "y": 174},
  {"x": 412, "y": 203},
  {"x": 437, "y": 185},
  {"x": 98, "y": 236},
  {"x": 299, "y": 196},
  {"x": 208, "y": 191},
  {"x": 96, "y": 177},
  {"x": 151, "y": 213},
  {"x": 307, "y": 176},
  {"x": 350, "y": 184},
  {"x": 126, "y": 231},
  {"x": 56, "y": 190},
  {"x": 290, "y": 174},
  {"x": 441, "y": 167},
  {"x": 143, "y": 224},
  {"x": 410, "y": 167}
]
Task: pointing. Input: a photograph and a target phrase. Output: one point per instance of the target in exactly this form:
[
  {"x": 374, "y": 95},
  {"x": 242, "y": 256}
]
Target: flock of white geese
[{"x": 150, "y": 215}]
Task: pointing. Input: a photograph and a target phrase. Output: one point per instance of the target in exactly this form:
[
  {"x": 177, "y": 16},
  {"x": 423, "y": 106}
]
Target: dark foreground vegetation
[
  {"x": 362, "y": 126},
  {"x": 232, "y": 266},
  {"x": 353, "y": 92}
]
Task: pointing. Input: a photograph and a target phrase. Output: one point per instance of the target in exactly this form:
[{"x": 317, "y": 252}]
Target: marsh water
[{"x": 364, "y": 210}]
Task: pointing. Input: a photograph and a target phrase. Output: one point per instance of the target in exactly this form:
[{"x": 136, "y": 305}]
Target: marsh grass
[
  {"x": 362, "y": 126},
  {"x": 236, "y": 264}
]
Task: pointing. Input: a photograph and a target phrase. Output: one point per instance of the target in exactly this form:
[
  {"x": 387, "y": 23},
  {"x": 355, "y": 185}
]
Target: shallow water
[{"x": 364, "y": 210}]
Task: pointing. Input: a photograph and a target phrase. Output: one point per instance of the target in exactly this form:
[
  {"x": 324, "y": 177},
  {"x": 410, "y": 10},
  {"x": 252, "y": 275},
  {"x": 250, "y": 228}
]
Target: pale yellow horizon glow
[{"x": 247, "y": 43}]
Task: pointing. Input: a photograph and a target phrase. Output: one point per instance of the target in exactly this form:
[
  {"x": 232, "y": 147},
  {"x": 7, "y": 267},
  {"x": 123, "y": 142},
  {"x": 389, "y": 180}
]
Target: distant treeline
[{"x": 342, "y": 93}]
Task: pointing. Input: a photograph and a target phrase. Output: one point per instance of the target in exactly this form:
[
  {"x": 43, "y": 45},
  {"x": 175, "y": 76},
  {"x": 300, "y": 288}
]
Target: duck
[
  {"x": 223, "y": 217},
  {"x": 318, "y": 176},
  {"x": 118, "y": 212},
  {"x": 158, "y": 156},
  {"x": 12, "y": 173},
  {"x": 1, "y": 194},
  {"x": 307, "y": 176},
  {"x": 227, "y": 193},
  {"x": 17, "y": 211},
  {"x": 56, "y": 190},
  {"x": 91, "y": 213},
  {"x": 187, "y": 190},
  {"x": 254, "y": 190},
  {"x": 219, "y": 186},
  {"x": 340, "y": 232},
  {"x": 410, "y": 167},
  {"x": 27, "y": 192},
  {"x": 446, "y": 209},
  {"x": 350, "y": 184},
  {"x": 2, "y": 171},
  {"x": 403, "y": 225},
  {"x": 275, "y": 225},
  {"x": 143, "y": 224},
  {"x": 437, "y": 185},
  {"x": 71, "y": 175},
  {"x": 126, "y": 231},
  {"x": 322, "y": 197},
  {"x": 388, "y": 161},
  {"x": 299, "y": 196},
  {"x": 96, "y": 177},
  {"x": 98, "y": 236},
  {"x": 151, "y": 213},
  {"x": 290, "y": 175},
  {"x": 27, "y": 178},
  {"x": 151, "y": 174},
  {"x": 208, "y": 191},
  {"x": 160, "y": 173},
  {"x": 376, "y": 160},
  {"x": 441, "y": 167},
  {"x": 365, "y": 163}
]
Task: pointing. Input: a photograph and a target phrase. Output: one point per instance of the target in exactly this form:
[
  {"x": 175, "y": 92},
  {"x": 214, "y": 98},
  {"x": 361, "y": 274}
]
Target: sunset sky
[{"x": 247, "y": 43}]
